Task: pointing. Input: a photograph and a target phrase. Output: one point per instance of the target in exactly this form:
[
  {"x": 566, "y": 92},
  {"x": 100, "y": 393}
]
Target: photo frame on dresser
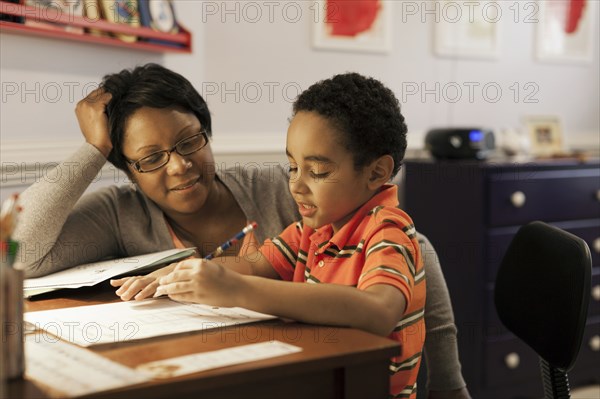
[{"x": 545, "y": 135}]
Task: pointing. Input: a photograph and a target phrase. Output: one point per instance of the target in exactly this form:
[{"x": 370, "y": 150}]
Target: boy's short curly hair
[
  {"x": 150, "y": 85},
  {"x": 366, "y": 113}
]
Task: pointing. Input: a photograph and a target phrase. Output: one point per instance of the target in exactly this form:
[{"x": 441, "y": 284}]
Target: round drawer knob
[
  {"x": 513, "y": 360},
  {"x": 595, "y": 343},
  {"x": 596, "y": 292},
  {"x": 598, "y": 195},
  {"x": 518, "y": 199},
  {"x": 596, "y": 245}
]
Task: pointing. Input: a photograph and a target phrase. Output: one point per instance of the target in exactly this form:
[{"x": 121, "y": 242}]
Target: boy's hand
[
  {"x": 93, "y": 120},
  {"x": 136, "y": 287},
  {"x": 140, "y": 287},
  {"x": 201, "y": 281}
]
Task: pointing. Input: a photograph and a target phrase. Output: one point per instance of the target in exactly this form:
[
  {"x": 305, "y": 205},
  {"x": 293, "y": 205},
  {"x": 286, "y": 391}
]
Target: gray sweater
[{"x": 59, "y": 228}]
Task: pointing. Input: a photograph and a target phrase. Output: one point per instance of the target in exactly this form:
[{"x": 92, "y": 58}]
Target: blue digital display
[{"x": 475, "y": 135}]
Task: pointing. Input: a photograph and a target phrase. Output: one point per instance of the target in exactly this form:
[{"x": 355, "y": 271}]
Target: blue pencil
[{"x": 232, "y": 241}]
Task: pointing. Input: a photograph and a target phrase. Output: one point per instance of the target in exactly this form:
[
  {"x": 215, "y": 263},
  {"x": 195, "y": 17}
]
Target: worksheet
[
  {"x": 181, "y": 365},
  {"x": 67, "y": 370},
  {"x": 134, "y": 320}
]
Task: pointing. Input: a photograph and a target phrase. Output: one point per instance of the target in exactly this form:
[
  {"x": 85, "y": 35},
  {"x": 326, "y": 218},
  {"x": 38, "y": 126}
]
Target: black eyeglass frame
[{"x": 138, "y": 168}]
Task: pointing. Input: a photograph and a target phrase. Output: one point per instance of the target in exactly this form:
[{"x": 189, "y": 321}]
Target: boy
[{"x": 345, "y": 141}]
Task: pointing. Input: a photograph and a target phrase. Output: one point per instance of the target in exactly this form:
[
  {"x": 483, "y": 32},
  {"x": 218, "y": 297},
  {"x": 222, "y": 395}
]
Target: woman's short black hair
[
  {"x": 366, "y": 113},
  {"x": 150, "y": 85}
]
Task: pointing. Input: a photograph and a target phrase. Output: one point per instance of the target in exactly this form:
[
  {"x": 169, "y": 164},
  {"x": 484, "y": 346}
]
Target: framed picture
[
  {"x": 545, "y": 135},
  {"x": 358, "y": 25},
  {"x": 565, "y": 30},
  {"x": 461, "y": 34}
]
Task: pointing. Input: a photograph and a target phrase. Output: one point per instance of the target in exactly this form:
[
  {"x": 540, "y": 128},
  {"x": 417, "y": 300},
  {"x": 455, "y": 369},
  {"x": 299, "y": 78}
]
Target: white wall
[
  {"x": 42, "y": 79},
  {"x": 279, "y": 50},
  {"x": 242, "y": 61}
]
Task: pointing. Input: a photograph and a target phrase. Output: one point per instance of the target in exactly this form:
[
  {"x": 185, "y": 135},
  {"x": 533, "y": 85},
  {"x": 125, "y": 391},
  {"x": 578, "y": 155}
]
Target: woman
[{"x": 151, "y": 123}]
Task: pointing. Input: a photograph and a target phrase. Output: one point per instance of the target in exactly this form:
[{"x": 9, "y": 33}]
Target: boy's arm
[
  {"x": 142, "y": 287},
  {"x": 254, "y": 264},
  {"x": 376, "y": 309}
]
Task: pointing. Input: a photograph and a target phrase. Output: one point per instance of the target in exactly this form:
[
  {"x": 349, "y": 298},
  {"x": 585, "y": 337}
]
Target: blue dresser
[{"x": 470, "y": 212}]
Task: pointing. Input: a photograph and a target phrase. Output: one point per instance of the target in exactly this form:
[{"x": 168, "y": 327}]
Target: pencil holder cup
[{"x": 11, "y": 312}]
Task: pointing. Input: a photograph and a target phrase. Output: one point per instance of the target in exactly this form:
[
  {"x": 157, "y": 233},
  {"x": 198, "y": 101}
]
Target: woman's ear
[{"x": 380, "y": 171}]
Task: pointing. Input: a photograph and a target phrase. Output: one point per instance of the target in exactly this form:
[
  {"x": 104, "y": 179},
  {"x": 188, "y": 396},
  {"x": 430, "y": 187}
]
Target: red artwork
[
  {"x": 574, "y": 16},
  {"x": 352, "y": 17}
]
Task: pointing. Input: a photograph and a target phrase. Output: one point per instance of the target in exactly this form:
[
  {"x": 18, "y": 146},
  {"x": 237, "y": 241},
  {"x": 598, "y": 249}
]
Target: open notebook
[{"x": 94, "y": 273}]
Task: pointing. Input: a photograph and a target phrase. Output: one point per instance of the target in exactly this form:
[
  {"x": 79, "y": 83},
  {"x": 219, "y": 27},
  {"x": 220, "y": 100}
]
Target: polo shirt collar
[{"x": 324, "y": 238}]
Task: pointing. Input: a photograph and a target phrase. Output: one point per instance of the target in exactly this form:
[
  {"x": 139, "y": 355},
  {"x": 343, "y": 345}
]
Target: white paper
[
  {"x": 188, "y": 364},
  {"x": 133, "y": 320},
  {"x": 94, "y": 273},
  {"x": 74, "y": 371}
]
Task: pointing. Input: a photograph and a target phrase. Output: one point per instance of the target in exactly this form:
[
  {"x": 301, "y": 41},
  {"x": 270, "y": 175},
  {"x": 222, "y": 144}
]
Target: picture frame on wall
[
  {"x": 565, "y": 31},
  {"x": 459, "y": 34},
  {"x": 545, "y": 135},
  {"x": 358, "y": 25}
]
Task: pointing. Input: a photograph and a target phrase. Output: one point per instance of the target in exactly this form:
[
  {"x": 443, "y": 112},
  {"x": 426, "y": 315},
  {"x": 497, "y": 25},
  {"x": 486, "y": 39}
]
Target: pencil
[
  {"x": 232, "y": 241},
  {"x": 221, "y": 248}
]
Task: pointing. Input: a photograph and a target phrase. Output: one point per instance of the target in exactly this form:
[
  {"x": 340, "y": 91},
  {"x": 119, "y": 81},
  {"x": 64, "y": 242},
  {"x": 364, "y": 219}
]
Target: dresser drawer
[
  {"x": 587, "y": 365},
  {"x": 510, "y": 361},
  {"x": 594, "y": 309},
  {"x": 543, "y": 195},
  {"x": 499, "y": 239},
  {"x": 494, "y": 326}
]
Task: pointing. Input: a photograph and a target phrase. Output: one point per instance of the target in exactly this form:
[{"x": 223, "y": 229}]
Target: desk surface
[{"x": 335, "y": 362}]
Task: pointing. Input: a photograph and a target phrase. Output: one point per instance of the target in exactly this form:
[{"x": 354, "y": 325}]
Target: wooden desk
[{"x": 334, "y": 363}]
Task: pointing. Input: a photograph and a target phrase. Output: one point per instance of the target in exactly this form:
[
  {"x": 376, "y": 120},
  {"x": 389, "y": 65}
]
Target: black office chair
[{"x": 542, "y": 294}]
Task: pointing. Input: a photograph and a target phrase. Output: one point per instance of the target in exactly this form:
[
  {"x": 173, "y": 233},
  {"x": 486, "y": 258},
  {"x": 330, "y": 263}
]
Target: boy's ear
[{"x": 380, "y": 171}]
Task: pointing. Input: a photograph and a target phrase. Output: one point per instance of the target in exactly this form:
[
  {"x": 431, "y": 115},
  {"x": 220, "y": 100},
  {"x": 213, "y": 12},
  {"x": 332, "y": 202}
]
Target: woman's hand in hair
[{"x": 93, "y": 120}]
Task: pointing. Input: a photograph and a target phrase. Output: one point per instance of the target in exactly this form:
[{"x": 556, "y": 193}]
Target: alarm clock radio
[{"x": 460, "y": 143}]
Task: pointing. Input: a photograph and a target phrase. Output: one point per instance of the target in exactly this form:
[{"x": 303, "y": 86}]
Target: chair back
[{"x": 542, "y": 291}]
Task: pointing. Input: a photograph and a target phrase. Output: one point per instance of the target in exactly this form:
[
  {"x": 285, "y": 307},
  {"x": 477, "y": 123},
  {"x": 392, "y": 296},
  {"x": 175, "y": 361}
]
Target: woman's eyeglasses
[{"x": 158, "y": 159}]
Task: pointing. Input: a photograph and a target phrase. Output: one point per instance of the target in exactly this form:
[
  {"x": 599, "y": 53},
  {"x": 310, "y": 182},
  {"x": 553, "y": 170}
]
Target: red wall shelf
[{"x": 177, "y": 42}]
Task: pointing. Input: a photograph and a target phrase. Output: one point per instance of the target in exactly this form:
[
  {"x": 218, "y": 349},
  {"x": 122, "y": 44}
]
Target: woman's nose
[{"x": 178, "y": 164}]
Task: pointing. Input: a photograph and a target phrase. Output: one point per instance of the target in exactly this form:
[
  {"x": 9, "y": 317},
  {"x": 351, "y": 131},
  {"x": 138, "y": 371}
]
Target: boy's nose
[{"x": 297, "y": 184}]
